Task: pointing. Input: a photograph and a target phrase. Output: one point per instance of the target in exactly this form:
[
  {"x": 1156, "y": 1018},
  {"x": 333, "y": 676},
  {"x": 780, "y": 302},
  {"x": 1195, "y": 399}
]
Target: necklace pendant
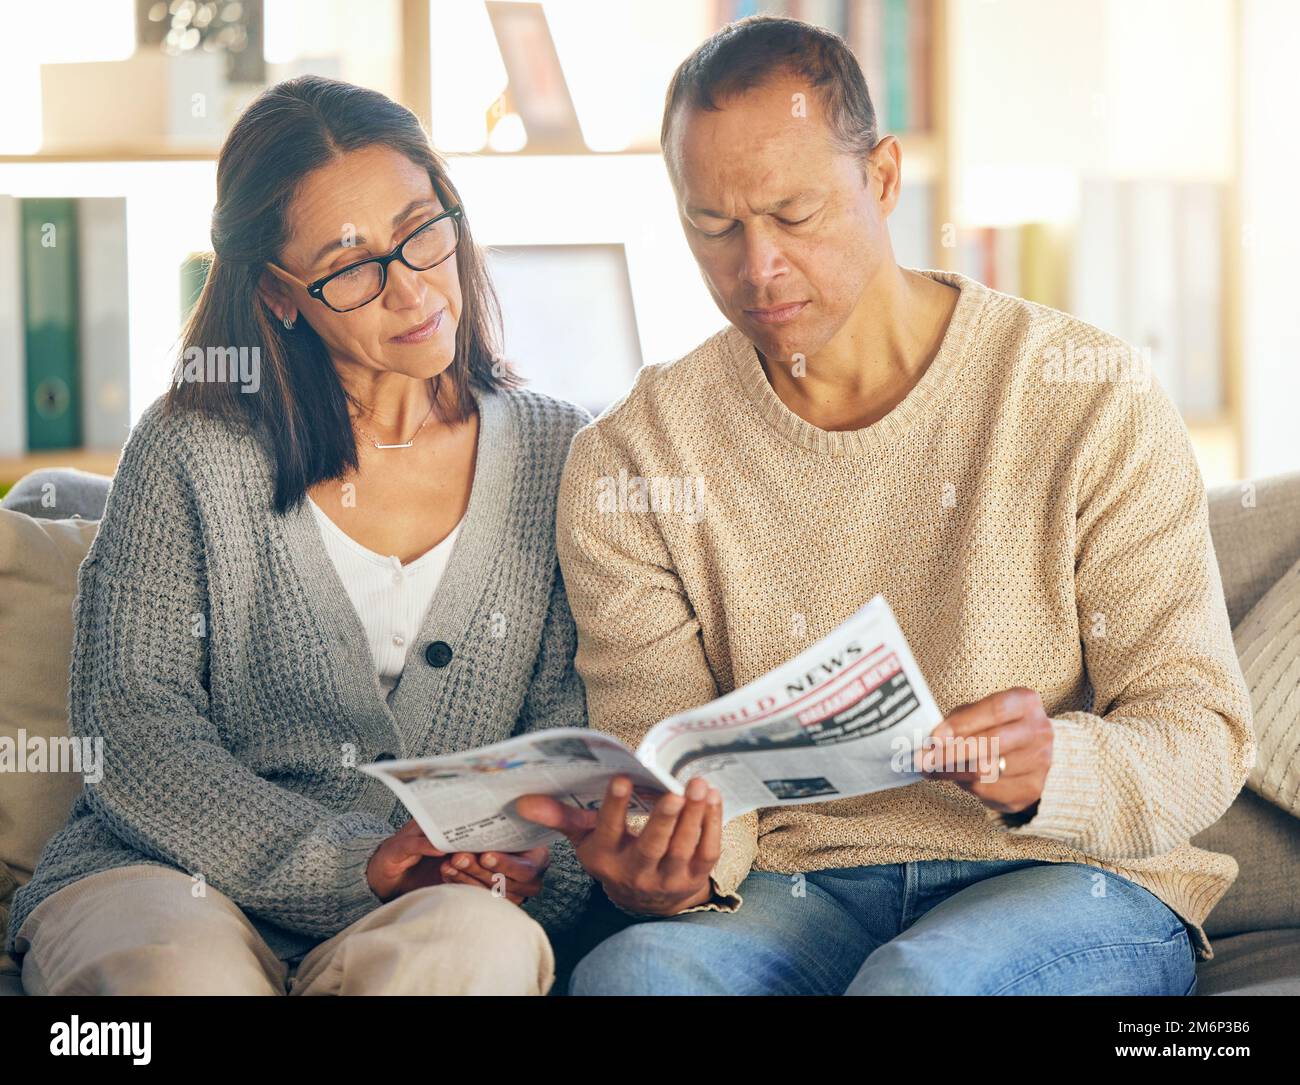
[{"x": 408, "y": 444}]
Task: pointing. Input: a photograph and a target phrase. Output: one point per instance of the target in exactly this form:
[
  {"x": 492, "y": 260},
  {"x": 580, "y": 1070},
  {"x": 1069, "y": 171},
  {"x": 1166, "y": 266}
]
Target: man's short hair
[{"x": 747, "y": 54}]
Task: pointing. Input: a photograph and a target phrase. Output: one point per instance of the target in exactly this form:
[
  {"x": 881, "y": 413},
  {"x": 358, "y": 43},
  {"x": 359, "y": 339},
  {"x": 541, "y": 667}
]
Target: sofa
[{"x": 1254, "y": 930}]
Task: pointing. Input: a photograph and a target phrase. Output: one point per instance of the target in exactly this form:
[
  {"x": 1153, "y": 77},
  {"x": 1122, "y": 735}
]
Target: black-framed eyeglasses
[{"x": 360, "y": 283}]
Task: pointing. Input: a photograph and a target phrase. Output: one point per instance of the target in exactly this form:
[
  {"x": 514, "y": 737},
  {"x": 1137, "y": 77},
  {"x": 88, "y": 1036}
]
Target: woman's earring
[{"x": 287, "y": 322}]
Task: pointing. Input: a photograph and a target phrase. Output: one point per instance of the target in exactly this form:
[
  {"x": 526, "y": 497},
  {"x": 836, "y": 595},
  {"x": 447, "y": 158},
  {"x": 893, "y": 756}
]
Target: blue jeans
[{"x": 1000, "y": 927}]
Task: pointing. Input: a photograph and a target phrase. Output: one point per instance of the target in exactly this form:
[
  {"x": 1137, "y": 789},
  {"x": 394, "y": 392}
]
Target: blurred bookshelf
[
  {"x": 164, "y": 156},
  {"x": 1124, "y": 206},
  {"x": 455, "y": 67}
]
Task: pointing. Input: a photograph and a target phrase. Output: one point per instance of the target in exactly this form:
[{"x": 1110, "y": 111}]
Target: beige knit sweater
[{"x": 1029, "y": 523}]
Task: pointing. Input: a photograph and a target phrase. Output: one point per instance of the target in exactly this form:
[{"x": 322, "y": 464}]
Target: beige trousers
[{"x": 140, "y": 930}]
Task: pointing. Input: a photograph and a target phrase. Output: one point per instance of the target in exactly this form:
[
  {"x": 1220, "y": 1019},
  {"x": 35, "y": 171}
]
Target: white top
[{"x": 390, "y": 598}]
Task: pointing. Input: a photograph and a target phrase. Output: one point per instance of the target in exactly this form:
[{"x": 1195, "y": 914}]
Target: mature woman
[{"x": 339, "y": 554}]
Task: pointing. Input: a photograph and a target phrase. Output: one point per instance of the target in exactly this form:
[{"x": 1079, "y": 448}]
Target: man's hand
[
  {"x": 660, "y": 872},
  {"x": 522, "y": 871},
  {"x": 1012, "y": 725}
]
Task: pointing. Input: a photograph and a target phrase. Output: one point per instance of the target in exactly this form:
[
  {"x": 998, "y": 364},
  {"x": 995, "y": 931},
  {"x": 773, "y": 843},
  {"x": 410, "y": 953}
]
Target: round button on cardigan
[{"x": 438, "y": 653}]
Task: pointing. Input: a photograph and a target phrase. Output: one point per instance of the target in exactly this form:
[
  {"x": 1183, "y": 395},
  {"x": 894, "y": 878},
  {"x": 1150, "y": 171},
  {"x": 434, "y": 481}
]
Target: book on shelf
[
  {"x": 892, "y": 39},
  {"x": 894, "y": 34},
  {"x": 866, "y": 18},
  {"x": 104, "y": 339},
  {"x": 1201, "y": 288},
  {"x": 50, "y": 315},
  {"x": 64, "y": 335},
  {"x": 920, "y": 32},
  {"x": 1148, "y": 260},
  {"x": 13, "y": 353}
]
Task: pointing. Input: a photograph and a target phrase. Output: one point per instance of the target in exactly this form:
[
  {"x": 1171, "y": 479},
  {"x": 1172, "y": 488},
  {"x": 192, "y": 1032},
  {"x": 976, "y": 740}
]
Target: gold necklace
[{"x": 405, "y": 444}]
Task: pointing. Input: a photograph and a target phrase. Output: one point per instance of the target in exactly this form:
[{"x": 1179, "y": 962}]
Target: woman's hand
[
  {"x": 405, "y": 861},
  {"x": 518, "y": 873}
]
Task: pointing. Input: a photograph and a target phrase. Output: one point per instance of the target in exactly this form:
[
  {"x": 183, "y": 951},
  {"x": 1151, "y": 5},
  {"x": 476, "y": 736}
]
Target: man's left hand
[{"x": 965, "y": 748}]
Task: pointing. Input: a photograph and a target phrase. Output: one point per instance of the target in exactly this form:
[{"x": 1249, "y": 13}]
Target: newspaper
[{"x": 843, "y": 718}]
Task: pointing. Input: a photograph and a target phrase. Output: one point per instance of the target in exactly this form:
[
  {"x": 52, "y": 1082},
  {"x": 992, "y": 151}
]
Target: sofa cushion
[
  {"x": 1268, "y": 645},
  {"x": 38, "y": 583},
  {"x": 59, "y": 493},
  {"x": 1259, "y": 963},
  {"x": 1265, "y": 841},
  {"x": 1256, "y": 530}
]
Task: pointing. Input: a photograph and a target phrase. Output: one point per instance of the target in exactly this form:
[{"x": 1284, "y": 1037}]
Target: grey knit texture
[{"x": 218, "y": 657}]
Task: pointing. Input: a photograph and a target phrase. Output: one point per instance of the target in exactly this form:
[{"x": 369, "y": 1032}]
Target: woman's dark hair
[
  {"x": 748, "y": 53},
  {"x": 300, "y": 410}
]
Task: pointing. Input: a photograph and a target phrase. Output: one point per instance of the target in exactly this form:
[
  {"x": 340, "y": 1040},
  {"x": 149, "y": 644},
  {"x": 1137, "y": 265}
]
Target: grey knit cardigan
[{"x": 219, "y": 658}]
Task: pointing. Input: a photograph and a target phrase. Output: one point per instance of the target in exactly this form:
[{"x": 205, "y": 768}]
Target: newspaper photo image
[{"x": 844, "y": 717}]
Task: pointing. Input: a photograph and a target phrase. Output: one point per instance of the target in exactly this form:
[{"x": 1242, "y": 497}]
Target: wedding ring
[{"x": 1002, "y": 765}]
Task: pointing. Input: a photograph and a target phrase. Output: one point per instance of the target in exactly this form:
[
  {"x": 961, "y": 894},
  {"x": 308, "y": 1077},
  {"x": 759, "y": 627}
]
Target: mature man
[{"x": 1039, "y": 529}]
